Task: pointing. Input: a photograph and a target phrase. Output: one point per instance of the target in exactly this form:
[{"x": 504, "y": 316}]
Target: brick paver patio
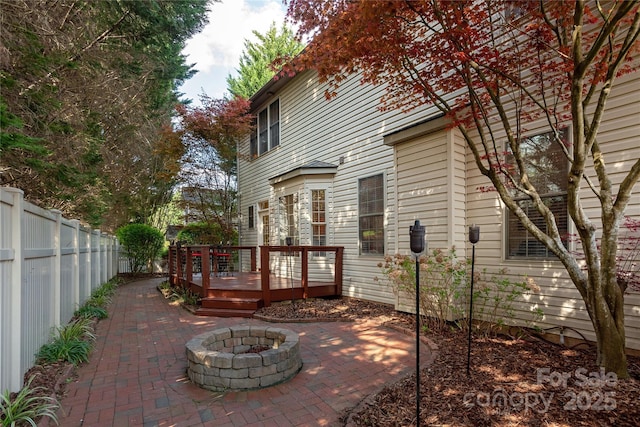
[{"x": 137, "y": 372}]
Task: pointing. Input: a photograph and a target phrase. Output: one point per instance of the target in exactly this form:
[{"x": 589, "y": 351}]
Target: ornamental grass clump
[
  {"x": 90, "y": 312},
  {"x": 96, "y": 306},
  {"x": 71, "y": 343},
  {"x": 26, "y": 407}
]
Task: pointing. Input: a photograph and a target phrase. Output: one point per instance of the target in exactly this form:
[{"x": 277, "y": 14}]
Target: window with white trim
[
  {"x": 318, "y": 220},
  {"x": 547, "y": 168},
  {"x": 289, "y": 219},
  {"x": 371, "y": 215},
  {"x": 267, "y": 133},
  {"x": 263, "y": 214}
]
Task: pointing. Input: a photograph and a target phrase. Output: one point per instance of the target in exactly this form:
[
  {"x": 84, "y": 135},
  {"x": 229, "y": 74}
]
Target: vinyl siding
[
  {"x": 558, "y": 297},
  {"x": 431, "y": 177},
  {"x": 312, "y": 128}
]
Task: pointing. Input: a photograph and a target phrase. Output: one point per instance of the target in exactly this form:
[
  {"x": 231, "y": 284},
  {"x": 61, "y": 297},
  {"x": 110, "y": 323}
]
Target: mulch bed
[
  {"x": 523, "y": 382},
  {"x": 511, "y": 382}
]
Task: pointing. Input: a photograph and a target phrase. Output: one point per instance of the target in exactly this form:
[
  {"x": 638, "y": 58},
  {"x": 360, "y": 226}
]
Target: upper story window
[
  {"x": 251, "y": 217},
  {"x": 267, "y": 133},
  {"x": 253, "y": 142},
  {"x": 547, "y": 168},
  {"x": 371, "y": 215}
]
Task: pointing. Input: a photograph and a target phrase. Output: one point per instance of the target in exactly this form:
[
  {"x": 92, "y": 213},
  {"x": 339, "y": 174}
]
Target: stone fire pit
[{"x": 243, "y": 357}]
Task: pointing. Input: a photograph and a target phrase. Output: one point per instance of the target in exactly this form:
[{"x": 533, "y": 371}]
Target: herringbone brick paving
[{"x": 137, "y": 372}]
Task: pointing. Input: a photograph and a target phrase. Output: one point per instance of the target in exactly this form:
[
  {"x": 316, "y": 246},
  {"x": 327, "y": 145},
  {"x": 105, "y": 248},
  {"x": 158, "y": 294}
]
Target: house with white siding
[{"x": 341, "y": 172}]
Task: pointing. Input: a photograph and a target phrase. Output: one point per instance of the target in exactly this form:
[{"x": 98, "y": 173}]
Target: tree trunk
[
  {"x": 606, "y": 309},
  {"x": 611, "y": 344}
]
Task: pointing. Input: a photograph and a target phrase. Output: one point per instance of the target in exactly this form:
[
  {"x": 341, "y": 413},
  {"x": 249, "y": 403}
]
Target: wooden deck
[{"x": 241, "y": 293}]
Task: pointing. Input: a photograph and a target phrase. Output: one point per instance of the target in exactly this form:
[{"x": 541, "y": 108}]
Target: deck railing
[
  {"x": 307, "y": 266},
  {"x": 304, "y": 252},
  {"x": 186, "y": 260}
]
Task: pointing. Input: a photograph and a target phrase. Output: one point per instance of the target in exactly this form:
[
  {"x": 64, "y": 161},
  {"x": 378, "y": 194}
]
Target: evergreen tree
[
  {"x": 86, "y": 90},
  {"x": 255, "y": 64}
]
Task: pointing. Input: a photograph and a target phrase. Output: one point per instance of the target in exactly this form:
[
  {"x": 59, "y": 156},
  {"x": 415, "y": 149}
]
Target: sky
[{"x": 216, "y": 50}]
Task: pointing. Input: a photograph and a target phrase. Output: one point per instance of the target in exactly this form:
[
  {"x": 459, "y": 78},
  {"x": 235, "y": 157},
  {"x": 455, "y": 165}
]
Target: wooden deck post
[
  {"x": 264, "y": 275},
  {"x": 171, "y": 268},
  {"x": 339, "y": 255},
  {"x": 205, "y": 269},
  {"x": 178, "y": 266},
  {"x": 305, "y": 272},
  {"x": 189, "y": 267},
  {"x": 253, "y": 258}
]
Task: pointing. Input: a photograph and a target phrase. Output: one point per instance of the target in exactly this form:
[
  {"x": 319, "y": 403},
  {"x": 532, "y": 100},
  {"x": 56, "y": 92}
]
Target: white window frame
[
  {"x": 262, "y": 214},
  {"x": 264, "y": 133},
  {"x": 285, "y": 217},
  {"x": 381, "y": 176},
  {"x": 313, "y": 222}
]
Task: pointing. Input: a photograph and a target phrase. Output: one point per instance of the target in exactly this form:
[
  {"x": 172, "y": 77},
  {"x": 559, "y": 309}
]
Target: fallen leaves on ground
[{"x": 512, "y": 382}]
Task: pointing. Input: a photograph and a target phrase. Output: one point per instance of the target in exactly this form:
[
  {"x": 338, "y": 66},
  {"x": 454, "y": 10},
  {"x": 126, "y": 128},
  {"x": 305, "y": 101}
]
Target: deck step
[
  {"x": 232, "y": 303},
  {"x": 224, "y": 312}
]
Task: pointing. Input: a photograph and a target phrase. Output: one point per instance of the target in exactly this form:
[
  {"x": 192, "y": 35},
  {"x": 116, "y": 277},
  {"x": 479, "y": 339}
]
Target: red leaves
[
  {"x": 422, "y": 50},
  {"x": 218, "y": 121}
]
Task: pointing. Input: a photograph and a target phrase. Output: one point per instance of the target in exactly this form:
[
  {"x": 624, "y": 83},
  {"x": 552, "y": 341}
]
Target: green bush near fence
[
  {"x": 141, "y": 244},
  {"x": 71, "y": 343}
]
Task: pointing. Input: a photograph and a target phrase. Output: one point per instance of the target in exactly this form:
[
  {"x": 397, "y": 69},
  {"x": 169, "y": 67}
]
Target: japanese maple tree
[
  {"x": 209, "y": 134},
  {"x": 493, "y": 67}
]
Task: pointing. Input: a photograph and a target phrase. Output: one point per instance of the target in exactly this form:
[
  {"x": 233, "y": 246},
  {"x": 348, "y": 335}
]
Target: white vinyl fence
[{"x": 49, "y": 266}]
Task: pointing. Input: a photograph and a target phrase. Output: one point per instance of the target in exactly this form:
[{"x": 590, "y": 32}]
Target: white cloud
[
  {"x": 221, "y": 42},
  {"x": 215, "y": 51}
]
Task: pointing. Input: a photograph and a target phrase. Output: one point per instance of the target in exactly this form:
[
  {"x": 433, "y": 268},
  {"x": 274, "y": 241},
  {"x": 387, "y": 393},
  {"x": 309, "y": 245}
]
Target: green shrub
[
  {"x": 70, "y": 344},
  {"x": 442, "y": 284},
  {"x": 26, "y": 407},
  {"x": 75, "y": 351},
  {"x": 495, "y": 298},
  {"x": 88, "y": 311},
  {"x": 445, "y": 283},
  {"x": 141, "y": 244},
  {"x": 206, "y": 233}
]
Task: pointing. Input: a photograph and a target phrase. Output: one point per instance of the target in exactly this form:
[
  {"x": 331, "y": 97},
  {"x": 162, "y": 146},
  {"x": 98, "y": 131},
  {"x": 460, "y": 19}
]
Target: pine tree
[{"x": 255, "y": 64}]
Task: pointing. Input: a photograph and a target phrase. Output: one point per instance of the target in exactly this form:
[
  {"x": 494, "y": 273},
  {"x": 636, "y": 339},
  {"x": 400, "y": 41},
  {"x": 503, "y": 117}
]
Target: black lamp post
[
  {"x": 417, "y": 243},
  {"x": 474, "y": 237}
]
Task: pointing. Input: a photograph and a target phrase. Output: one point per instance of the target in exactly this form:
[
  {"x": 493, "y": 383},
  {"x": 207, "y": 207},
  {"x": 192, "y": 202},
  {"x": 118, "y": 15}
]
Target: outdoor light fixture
[
  {"x": 417, "y": 244},
  {"x": 474, "y": 237}
]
